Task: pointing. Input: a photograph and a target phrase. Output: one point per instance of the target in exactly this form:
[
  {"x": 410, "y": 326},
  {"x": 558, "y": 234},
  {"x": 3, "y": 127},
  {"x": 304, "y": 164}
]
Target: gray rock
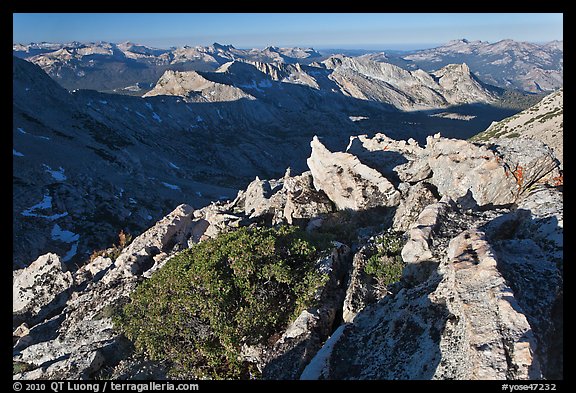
[
  {"x": 40, "y": 290},
  {"x": 347, "y": 182},
  {"x": 459, "y": 166},
  {"x": 494, "y": 174},
  {"x": 85, "y": 338},
  {"x": 214, "y": 219},
  {"x": 397, "y": 160},
  {"x": 416, "y": 253},
  {"x": 92, "y": 269},
  {"x": 302, "y": 199},
  {"x": 528, "y": 243},
  {"x": 489, "y": 336},
  {"x": 462, "y": 322},
  {"x": 361, "y": 289},
  {"x": 413, "y": 201},
  {"x": 527, "y": 161},
  {"x": 173, "y": 230},
  {"x": 257, "y": 198}
]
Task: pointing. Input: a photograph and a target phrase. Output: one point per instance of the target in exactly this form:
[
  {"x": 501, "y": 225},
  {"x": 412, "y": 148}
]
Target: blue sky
[{"x": 318, "y": 30}]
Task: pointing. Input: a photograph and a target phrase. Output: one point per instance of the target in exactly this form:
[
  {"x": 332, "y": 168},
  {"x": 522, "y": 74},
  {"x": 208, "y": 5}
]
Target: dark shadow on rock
[
  {"x": 396, "y": 338},
  {"x": 532, "y": 268},
  {"x": 42, "y": 332},
  {"x": 291, "y": 354},
  {"x": 384, "y": 161}
]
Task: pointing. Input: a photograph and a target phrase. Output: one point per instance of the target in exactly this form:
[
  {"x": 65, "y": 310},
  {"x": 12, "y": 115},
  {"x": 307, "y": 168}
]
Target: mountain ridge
[{"x": 506, "y": 64}]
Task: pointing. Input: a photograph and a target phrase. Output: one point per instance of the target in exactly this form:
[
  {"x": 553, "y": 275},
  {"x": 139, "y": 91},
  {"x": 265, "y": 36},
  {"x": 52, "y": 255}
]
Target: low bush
[
  {"x": 386, "y": 264},
  {"x": 242, "y": 287}
]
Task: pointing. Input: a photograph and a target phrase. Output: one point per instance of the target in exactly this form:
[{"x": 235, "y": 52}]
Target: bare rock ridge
[
  {"x": 131, "y": 68},
  {"x": 480, "y": 295},
  {"x": 542, "y": 122},
  {"x": 359, "y": 78},
  {"x": 527, "y": 66}
]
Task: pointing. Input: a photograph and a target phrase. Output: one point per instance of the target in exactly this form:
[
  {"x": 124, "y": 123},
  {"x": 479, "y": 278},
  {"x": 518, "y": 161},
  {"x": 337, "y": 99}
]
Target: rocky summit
[{"x": 474, "y": 229}]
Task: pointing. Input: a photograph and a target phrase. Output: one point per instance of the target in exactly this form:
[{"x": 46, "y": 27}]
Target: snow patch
[
  {"x": 173, "y": 165},
  {"x": 319, "y": 362},
  {"x": 140, "y": 114},
  {"x": 65, "y": 236},
  {"x": 132, "y": 200},
  {"x": 171, "y": 186},
  {"x": 45, "y": 204},
  {"x": 21, "y": 130},
  {"x": 149, "y": 105},
  {"x": 198, "y": 194},
  {"x": 17, "y": 153},
  {"x": 73, "y": 251},
  {"x": 103, "y": 102},
  {"x": 357, "y": 118},
  {"x": 453, "y": 116},
  {"x": 199, "y": 119},
  {"x": 156, "y": 117},
  {"x": 56, "y": 175}
]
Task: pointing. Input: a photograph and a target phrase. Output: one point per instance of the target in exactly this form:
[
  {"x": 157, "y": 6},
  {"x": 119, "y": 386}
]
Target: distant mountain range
[
  {"x": 89, "y": 163},
  {"x": 507, "y": 63},
  {"x": 133, "y": 69}
]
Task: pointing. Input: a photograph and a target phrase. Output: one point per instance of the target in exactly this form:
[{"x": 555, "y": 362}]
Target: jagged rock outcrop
[
  {"x": 39, "y": 290},
  {"x": 302, "y": 200},
  {"x": 462, "y": 321},
  {"x": 82, "y": 338},
  {"x": 494, "y": 174},
  {"x": 366, "y": 79},
  {"x": 468, "y": 306},
  {"x": 414, "y": 199},
  {"x": 290, "y": 199},
  {"x": 480, "y": 296},
  {"x": 486, "y": 335},
  {"x": 170, "y": 232},
  {"x": 347, "y": 182},
  {"x": 257, "y": 197},
  {"x": 528, "y": 243},
  {"x": 459, "y": 166},
  {"x": 417, "y": 253}
]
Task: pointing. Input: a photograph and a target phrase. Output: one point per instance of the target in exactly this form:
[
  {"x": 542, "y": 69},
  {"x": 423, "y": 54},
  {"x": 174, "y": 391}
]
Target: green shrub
[
  {"x": 21, "y": 367},
  {"x": 205, "y": 303},
  {"x": 386, "y": 264}
]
